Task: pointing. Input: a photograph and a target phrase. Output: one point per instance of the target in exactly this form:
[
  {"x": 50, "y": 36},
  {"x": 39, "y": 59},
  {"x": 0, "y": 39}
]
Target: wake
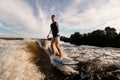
[{"x": 17, "y": 60}]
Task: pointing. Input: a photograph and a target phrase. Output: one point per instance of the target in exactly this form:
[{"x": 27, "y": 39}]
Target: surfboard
[{"x": 64, "y": 61}]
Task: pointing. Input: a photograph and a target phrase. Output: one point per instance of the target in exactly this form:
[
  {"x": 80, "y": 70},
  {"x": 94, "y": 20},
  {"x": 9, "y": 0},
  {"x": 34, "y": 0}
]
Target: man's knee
[
  {"x": 52, "y": 44},
  {"x": 57, "y": 45}
]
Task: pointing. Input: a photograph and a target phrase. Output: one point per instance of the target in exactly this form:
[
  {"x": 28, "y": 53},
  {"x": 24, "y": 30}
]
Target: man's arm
[{"x": 49, "y": 34}]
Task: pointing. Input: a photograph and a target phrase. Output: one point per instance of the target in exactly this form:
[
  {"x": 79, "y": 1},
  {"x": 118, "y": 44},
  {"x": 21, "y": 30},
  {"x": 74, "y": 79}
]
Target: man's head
[{"x": 53, "y": 18}]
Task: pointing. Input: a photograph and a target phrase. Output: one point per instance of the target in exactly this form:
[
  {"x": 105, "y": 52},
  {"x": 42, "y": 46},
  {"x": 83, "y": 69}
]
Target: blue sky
[{"x": 31, "y": 18}]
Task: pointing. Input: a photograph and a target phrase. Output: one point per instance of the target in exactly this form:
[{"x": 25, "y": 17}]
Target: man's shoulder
[{"x": 55, "y": 23}]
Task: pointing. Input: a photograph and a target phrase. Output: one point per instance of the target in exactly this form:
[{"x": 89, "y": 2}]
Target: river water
[{"x": 95, "y": 63}]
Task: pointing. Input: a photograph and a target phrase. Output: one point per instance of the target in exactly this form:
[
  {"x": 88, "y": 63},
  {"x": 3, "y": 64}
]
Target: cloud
[
  {"x": 92, "y": 14},
  {"x": 33, "y": 19},
  {"x": 19, "y": 13},
  {"x": 1, "y": 24}
]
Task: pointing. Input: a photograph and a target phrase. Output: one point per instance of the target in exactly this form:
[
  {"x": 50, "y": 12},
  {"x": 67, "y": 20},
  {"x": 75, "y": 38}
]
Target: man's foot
[
  {"x": 61, "y": 58},
  {"x": 57, "y": 55},
  {"x": 53, "y": 55}
]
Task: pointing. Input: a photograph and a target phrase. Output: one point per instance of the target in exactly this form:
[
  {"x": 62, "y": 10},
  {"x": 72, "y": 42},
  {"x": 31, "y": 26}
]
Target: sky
[{"x": 32, "y": 18}]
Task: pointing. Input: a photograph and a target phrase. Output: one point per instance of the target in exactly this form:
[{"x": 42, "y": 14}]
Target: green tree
[
  {"x": 110, "y": 32},
  {"x": 65, "y": 39},
  {"x": 117, "y": 41},
  {"x": 104, "y": 38},
  {"x": 75, "y": 38},
  {"x": 98, "y": 37}
]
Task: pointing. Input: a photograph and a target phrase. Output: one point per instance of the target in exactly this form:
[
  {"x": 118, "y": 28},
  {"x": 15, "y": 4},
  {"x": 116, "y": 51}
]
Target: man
[{"x": 56, "y": 37}]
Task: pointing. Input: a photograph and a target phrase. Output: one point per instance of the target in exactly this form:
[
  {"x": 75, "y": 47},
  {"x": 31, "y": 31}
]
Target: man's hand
[{"x": 48, "y": 34}]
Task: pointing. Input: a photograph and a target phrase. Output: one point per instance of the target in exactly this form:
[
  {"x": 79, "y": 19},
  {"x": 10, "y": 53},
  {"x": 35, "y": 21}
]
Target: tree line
[{"x": 103, "y": 38}]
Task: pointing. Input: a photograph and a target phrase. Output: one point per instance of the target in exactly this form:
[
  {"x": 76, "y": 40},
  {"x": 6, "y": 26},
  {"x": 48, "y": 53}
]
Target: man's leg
[
  {"x": 52, "y": 47},
  {"x": 59, "y": 49}
]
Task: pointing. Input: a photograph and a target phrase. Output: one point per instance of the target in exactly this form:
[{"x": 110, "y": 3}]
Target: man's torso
[{"x": 55, "y": 29}]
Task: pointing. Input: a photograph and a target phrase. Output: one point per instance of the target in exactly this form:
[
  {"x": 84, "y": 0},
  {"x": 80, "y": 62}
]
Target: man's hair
[{"x": 53, "y": 16}]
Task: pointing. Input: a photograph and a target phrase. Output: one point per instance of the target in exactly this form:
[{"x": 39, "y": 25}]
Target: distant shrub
[{"x": 103, "y": 38}]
